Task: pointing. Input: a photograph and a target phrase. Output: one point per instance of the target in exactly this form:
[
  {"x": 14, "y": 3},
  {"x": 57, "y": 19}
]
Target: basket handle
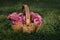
[{"x": 26, "y": 9}]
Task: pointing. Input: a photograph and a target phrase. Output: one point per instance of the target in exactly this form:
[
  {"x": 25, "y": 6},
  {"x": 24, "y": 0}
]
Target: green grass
[{"x": 48, "y": 9}]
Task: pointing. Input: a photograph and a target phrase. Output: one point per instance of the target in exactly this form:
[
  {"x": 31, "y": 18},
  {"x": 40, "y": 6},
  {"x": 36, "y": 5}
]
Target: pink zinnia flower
[
  {"x": 36, "y": 18},
  {"x": 15, "y": 17}
]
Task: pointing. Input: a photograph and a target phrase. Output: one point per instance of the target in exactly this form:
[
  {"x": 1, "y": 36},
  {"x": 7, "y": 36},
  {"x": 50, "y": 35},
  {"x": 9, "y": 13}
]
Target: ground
[{"x": 48, "y": 9}]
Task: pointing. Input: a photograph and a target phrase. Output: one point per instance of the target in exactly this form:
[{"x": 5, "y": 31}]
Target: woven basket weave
[{"x": 28, "y": 27}]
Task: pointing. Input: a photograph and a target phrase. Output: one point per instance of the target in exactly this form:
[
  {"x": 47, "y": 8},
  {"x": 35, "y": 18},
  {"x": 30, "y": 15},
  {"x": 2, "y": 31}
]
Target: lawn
[{"x": 48, "y": 9}]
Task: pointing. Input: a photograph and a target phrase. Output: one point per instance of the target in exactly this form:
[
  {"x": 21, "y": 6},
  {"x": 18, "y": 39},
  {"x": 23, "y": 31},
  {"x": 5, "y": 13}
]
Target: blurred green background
[{"x": 48, "y": 9}]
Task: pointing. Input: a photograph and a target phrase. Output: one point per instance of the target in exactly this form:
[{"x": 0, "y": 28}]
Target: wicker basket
[{"x": 28, "y": 27}]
